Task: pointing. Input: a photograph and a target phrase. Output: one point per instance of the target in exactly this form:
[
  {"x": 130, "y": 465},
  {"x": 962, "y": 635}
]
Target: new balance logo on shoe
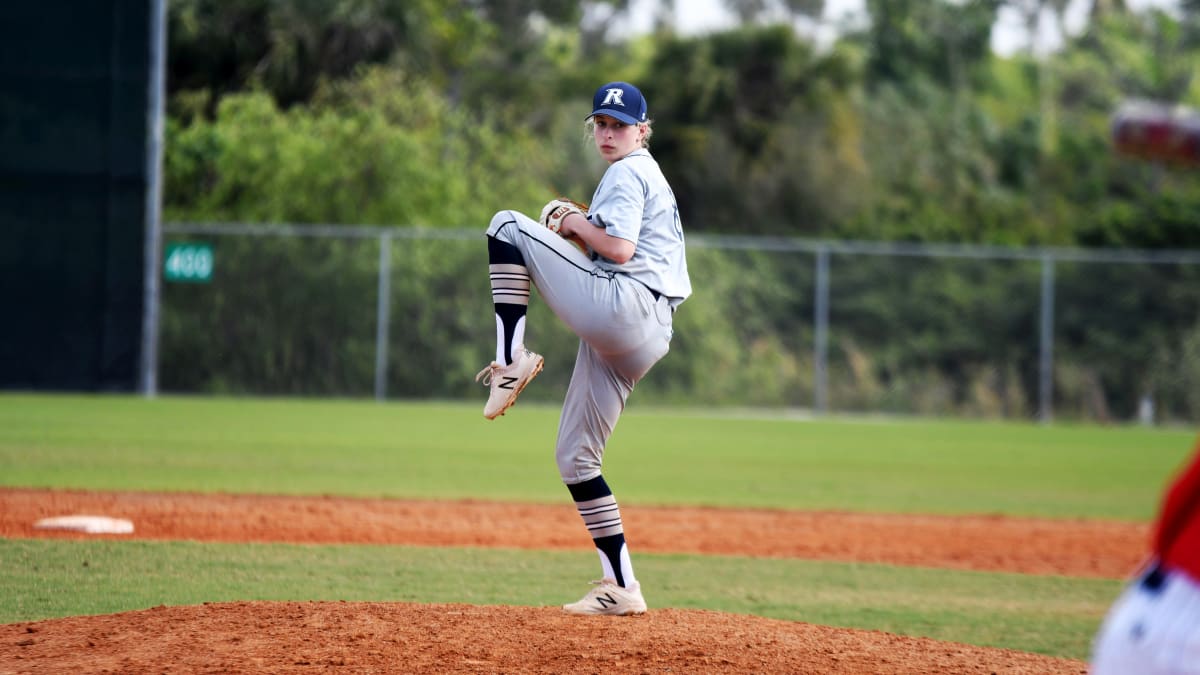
[
  {"x": 605, "y": 601},
  {"x": 608, "y": 598},
  {"x": 507, "y": 382}
]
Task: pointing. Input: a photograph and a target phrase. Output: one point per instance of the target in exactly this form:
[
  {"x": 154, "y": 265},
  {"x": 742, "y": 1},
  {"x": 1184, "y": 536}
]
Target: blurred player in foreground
[
  {"x": 1154, "y": 627},
  {"x": 614, "y": 273}
]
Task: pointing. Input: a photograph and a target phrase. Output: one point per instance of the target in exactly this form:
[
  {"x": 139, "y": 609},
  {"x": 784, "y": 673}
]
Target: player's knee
[
  {"x": 499, "y": 220},
  {"x": 566, "y": 469},
  {"x": 576, "y": 469}
]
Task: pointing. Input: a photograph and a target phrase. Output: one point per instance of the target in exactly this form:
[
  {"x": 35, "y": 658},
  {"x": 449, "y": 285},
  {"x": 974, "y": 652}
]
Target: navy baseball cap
[{"x": 620, "y": 100}]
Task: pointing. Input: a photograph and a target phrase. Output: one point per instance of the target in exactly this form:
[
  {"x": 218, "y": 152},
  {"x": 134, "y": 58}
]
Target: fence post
[
  {"x": 382, "y": 315},
  {"x": 152, "y": 248},
  {"x": 1046, "y": 355},
  {"x": 821, "y": 329}
]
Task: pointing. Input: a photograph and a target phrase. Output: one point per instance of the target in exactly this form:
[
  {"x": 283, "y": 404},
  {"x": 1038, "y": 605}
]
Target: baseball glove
[{"x": 555, "y": 211}]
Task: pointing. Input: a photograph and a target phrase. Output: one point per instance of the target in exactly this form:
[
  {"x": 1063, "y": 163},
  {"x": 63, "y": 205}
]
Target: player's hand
[
  {"x": 554, "y": 217},
  {"x": 556, "y": 210}
]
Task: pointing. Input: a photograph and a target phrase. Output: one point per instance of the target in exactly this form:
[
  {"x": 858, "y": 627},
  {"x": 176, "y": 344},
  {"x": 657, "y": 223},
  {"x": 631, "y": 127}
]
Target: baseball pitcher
[{"x": 614, "y": 272}]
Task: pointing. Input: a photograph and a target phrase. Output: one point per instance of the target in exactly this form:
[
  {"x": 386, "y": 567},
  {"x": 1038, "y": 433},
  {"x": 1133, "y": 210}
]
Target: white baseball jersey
[
  {"x": 634, "y": 202},
  {"x": 1153, "y": 628}
]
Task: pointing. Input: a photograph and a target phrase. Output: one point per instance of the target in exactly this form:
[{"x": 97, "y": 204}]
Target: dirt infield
[{"x": 395, "y": 637}]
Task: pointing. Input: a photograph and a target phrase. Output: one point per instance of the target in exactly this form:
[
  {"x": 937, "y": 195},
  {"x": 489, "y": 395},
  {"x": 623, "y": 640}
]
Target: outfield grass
[
  {"x": 667, "y": 456},
  {"x": 1048, "y": 615},
  {"x": 656, "y": 457}
]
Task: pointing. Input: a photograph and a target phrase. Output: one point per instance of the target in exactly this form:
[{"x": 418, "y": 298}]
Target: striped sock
[
  {"x": 510, "y": 295},
  {"x": 602, "y": 517}
]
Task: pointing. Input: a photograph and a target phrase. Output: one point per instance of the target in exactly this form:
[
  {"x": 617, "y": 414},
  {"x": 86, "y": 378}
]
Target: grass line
[{"x": 656, "y": 456}]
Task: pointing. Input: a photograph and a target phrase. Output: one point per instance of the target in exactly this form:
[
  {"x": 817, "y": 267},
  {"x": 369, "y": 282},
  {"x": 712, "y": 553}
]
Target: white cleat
[
  {"x": 506, "y": 382},
  {"x": 610, "y": 599}
]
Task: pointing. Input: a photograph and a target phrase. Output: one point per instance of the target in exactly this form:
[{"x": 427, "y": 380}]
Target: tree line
[
  {"x": 909, "y": 127},
  {"x": 906, "y": 127}
]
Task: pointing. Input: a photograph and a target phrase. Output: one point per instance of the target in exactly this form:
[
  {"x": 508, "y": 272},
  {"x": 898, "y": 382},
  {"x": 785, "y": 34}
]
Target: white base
[{"x": 88, "y": 524}]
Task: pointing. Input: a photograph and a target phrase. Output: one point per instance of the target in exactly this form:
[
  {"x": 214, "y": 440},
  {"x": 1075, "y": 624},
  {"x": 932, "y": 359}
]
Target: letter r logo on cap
[{"x": 614, "y": 98}]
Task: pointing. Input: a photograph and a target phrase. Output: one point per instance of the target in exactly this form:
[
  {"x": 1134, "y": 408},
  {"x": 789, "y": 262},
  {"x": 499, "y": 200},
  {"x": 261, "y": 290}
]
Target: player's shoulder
[
  {"x": 638, "y": 158},
  {"x": 636, "y": 166}
]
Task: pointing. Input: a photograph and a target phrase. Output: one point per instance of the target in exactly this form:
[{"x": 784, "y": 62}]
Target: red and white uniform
[{"x": 1154, "y": 627}]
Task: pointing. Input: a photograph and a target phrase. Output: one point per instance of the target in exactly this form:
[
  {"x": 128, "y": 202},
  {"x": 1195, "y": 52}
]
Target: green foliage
[
  {"x": 961, "y": 336},
  {"x": 914, "y": 40},
  {"x": 740, "y": 337},
  {"x": 289, "y": 48},
  {"x": 297, "y": 316},
  {"x": 758, "y": 134},
  {"x": 1095, "y": 304},
  {"x": 380, "y": 149},
  {"x": 939, "y": 178},
  {"x": 909, "y": 128},
  {"x": 274, "y": 320},
  {"x": 411, "y": 113}
]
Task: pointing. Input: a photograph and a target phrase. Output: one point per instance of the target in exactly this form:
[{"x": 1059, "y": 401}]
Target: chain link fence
[{"x": 824, "y": 326}]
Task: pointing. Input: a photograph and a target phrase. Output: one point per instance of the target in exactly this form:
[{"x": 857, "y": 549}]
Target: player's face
[{"x": 614, "y": 138}]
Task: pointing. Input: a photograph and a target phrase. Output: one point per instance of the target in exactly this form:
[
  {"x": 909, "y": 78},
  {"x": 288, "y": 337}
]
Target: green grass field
[{"x": 446, "y": 450}]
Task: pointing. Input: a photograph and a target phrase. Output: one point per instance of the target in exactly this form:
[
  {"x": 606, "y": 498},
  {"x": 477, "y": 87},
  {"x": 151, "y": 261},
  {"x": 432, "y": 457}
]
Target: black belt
[
  {"x": 657, "y": 296},
  {"x": 1154, "y": 579}
]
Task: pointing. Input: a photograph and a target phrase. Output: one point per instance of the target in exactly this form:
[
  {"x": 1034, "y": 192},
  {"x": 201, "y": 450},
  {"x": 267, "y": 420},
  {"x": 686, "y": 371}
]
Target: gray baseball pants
[{"x": 623, "y": 331}]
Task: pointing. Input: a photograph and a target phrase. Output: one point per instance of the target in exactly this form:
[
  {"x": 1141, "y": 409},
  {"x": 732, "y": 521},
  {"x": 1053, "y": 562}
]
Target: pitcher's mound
[{"x": 281, "y": 637}]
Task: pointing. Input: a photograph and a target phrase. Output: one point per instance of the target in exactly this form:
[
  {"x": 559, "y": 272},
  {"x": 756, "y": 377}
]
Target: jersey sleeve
[{"x": 619, "y": 201}]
